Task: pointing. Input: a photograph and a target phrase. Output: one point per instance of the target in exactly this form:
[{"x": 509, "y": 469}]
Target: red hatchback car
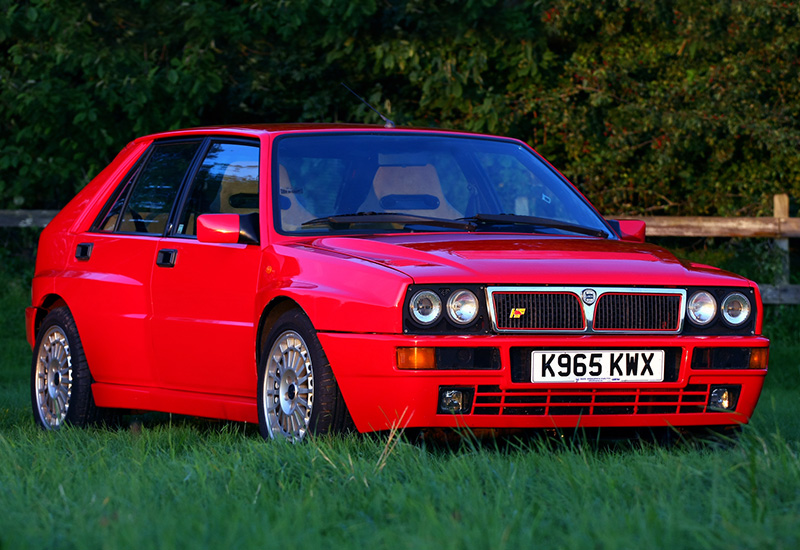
[{"x": 312, "y": 277}]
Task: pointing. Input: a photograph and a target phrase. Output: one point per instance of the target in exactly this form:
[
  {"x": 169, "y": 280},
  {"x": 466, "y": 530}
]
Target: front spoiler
[{"x": 380, "y": 397}]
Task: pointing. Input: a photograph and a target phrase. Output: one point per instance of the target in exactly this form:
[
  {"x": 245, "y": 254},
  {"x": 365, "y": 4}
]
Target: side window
[
  {"x": 226, "y": 183},
  {"x": 143, "y": 200},
  {"x": 149, "y": 205},
  {"x": 107, "y": 221}
]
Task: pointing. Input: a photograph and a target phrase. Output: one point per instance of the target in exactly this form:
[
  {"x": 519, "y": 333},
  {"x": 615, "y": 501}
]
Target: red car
[{"x": 312, "y": 277}]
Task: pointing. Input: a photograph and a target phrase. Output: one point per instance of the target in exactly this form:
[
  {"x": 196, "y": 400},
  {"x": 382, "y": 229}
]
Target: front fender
[{"x": 338, "y": 293}]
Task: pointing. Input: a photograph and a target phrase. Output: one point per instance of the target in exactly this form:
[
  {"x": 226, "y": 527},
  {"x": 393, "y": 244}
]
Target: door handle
[
  {"x": 83, "y": 251},
  {"x": 166, "y": 257}
]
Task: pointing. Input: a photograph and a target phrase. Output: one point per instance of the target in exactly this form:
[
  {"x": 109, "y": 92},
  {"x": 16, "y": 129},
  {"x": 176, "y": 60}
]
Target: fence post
[{"x": 781, "y": 211}]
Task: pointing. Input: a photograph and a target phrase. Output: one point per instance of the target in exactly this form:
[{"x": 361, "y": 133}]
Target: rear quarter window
[{"x": 145, "y": 197}]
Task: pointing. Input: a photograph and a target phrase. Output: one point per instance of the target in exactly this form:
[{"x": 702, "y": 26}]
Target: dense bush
[{"x": 668, "y": 107}]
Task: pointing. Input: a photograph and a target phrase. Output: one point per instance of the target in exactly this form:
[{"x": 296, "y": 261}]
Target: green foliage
[
  {"x": 679, "y": 107},
  {"x": 755, "y": 259},
  {"x": 670, "y": 107}
]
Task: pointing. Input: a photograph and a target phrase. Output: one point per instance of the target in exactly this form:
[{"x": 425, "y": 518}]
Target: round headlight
[
  {"x": 735, "y": 308},
  {"x": 702, "y": 308},
  {"x": 426, "y": 307},
  {"x": 462, "y": 307}
]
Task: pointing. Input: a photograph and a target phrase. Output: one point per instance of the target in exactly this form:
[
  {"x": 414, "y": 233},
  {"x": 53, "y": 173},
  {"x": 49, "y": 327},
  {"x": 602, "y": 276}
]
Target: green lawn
[{"x": 175, "y": 482}]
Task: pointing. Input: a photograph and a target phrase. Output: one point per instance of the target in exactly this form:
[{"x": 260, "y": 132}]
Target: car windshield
[{"x": 394, "y": 182}]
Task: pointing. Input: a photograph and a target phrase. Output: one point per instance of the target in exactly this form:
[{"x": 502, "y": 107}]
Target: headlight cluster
[
  {"x": 462, "y": 307},
  {"x": 702, "y": 308}
]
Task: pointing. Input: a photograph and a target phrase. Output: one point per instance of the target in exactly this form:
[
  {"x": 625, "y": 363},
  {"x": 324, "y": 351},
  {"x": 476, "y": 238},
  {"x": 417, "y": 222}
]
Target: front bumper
[{"x": 380, "y": 396}]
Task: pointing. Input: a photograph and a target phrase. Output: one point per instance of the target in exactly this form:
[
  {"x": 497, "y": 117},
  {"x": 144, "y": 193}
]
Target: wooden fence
[
  {"x": 26, "y": 218},
  {"x": 779, "y": 227}
]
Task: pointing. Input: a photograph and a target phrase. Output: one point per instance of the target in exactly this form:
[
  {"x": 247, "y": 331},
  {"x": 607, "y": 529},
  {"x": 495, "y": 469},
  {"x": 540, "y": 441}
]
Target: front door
[{"x": 204, "y": 294}]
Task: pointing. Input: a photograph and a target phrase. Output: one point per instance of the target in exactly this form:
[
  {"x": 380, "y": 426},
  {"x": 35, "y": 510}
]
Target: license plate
[{"x": 598, "y": 366}]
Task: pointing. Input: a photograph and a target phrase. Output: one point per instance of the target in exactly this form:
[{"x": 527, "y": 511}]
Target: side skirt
[{"x": 225, "y": 407}]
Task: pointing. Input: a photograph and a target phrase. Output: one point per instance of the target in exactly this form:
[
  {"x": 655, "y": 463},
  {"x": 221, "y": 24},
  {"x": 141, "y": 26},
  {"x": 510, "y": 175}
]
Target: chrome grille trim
[
  {"x": 616, "y": 310},
  {"x": 543, "y": 311},
  {"x": 637, "y": 312}
]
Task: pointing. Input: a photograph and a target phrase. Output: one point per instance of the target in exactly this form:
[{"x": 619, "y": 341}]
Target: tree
[{"x": 676, "y": 107}]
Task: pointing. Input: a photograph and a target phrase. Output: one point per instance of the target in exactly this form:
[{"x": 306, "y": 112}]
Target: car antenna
[{"x": 388, "y": 123}]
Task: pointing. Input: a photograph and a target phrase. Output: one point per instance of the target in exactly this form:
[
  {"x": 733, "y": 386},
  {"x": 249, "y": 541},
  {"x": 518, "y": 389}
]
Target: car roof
[{"x": 258, "y": 130}]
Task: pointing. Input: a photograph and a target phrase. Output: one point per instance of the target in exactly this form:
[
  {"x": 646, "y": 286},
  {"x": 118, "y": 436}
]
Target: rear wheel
[
  {"x": 61, "y": 384},
  {"x": 297, "y": 392}
]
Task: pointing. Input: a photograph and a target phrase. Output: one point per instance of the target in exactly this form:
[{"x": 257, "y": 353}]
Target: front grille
[
  {"x": 587, "y": 310},
  {"x": 638, "y": 312},
  {"x": 538, "y": 311},
  {"x": 492, "y": 400}
]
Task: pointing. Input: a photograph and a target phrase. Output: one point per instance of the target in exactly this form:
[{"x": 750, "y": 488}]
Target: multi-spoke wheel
[
  {"x": 53, "y": 379},
  {"x": 297, "y": 392},
  {"x": 288, "y": 387},
  {"x": 61, "y": 390}
]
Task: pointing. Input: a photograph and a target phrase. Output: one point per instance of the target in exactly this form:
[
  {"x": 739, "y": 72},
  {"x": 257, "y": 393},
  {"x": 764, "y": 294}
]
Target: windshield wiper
[
  {"x": 361, "y": 218},
  {"x": 506, "y": 219}
]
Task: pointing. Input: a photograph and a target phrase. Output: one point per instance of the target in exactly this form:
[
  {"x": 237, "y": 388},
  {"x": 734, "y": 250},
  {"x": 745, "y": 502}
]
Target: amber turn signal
[
  {"x": 416, "y": 358},
  {"x": 759, "y": 358}
]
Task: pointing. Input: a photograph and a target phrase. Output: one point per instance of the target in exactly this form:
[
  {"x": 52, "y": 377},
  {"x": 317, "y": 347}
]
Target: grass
[{"x": 169, "y": 482}]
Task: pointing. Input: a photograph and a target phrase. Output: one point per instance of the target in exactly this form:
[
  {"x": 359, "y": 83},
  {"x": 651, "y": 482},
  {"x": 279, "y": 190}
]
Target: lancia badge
[{"x": 589, "y": 296}]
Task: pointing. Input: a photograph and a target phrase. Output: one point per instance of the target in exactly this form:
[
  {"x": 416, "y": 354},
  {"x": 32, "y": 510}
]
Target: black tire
[
  {"x": 297, "y": 392},
  {"x": 61, "y": 384}
]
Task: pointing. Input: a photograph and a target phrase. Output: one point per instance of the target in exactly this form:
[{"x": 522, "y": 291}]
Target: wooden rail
[
  {"x": 696, "y": 226},
  {"x": 779, "y": 227},
  {"x": 26, "y": 218}
]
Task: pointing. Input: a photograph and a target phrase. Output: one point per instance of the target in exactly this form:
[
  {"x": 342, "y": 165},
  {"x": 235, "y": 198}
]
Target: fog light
[
  {"x": 723, "y": 398},
  {"x": 720, "y": 398},
  {"x": 455, "y": 400}
]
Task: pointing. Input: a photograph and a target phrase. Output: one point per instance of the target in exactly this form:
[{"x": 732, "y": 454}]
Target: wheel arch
[
  {"x": 273, "y": 310},
  {"x": 49, "y": 303}
]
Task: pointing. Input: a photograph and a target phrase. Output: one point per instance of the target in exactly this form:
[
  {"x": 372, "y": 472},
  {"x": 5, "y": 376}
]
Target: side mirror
[
  {"x": 629, "y": 230},
  {"x": 228, "y": 228}
]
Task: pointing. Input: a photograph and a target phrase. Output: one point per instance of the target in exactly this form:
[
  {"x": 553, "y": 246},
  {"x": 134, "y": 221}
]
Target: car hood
[{"x": 523, "y": 259}]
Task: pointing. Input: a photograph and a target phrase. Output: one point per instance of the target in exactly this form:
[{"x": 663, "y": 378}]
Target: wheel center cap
[
  {"x": 288, "y": 391},
  {"x": 53, "y": 382}
]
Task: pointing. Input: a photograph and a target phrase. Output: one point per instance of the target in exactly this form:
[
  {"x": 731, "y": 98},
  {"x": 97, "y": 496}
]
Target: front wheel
[
  {"x": 297, "y": 391},
  {"x": 61, "y": 384}
]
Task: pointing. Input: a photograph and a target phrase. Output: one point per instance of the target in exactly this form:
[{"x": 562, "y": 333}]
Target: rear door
[
  {"x": 204, "y": 294},
  {"x": 115, "y": 262}
]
